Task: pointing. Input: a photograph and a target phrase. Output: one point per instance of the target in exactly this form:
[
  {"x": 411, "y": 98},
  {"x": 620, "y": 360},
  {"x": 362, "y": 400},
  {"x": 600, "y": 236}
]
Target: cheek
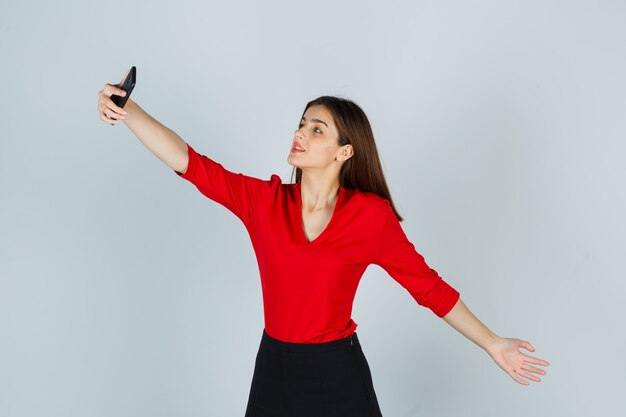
[
  {"x": 322, "y": 151},
  {"x": 325, "y": 146},
  {"x": 330, "y": 150}
]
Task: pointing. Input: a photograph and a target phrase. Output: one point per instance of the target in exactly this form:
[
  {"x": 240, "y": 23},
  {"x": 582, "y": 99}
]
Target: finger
[
  {"x": 108, "y": 107},
  {"x": 526, "y": 345},
  {"x": 537, "y": 361},
  {"x": 517, "y": 378},
  {"x": 111, "y": 89},
  {"x": 105, "y": 97},
  {"x": 527, "y": 375},
  {"x": 112, "y": 116},
  {"x": 107, "y": 120},
  {"x": 117, "y": 109},
  {"x": 110, "y": 112},
  {"x": 530, "y": 368}
]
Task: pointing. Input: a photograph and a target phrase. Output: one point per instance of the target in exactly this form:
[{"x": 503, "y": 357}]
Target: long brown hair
[{"x": 363, "y": 171}]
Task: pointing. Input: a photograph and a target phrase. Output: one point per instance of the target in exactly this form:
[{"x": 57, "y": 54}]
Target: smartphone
[{"x": 127, "y": 85}]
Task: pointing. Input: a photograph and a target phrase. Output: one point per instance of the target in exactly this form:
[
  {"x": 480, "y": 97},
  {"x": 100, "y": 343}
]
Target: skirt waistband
[{"x": 352, "y": 340}]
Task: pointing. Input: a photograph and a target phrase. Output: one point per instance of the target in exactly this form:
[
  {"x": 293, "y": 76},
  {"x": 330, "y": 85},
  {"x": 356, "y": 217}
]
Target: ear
[{"x": 345, "y": 153}]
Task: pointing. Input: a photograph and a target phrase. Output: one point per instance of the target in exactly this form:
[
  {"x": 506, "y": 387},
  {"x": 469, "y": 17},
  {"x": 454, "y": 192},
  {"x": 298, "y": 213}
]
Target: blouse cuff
[{"x": 191, "y": 165}]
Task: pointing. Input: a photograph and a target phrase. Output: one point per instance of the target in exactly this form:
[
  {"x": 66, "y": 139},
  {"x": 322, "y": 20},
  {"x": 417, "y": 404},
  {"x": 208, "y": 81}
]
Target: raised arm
[
  {"x": 158, "y": 138},
  {"x": 236, "y": 191}
]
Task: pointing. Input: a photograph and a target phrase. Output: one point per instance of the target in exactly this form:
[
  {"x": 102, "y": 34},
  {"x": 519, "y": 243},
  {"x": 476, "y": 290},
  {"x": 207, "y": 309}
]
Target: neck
[{"x": 318, "y": 193}]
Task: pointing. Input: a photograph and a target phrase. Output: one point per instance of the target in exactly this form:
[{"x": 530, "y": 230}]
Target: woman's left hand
[{"x": 505, "y": 352}]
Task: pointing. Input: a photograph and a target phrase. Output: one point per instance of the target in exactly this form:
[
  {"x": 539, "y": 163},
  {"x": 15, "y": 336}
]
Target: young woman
[{"x": 313, "y": 240}]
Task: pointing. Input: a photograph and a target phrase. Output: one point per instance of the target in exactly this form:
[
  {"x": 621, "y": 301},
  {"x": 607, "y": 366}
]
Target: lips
[{"x": 295, "y": 146}]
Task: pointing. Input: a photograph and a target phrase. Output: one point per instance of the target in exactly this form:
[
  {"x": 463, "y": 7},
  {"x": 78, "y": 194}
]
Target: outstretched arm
[
  {"x": 504, "y": 351},
  {"x": 158, "y": 138},
  {"x": 163, "y": 142}
]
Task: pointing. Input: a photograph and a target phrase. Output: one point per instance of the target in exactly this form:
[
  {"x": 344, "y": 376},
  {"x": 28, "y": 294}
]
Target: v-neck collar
[{"x": 324, "y": 232}]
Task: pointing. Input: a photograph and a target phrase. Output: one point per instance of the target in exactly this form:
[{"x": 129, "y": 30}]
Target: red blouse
[{"x": 309, "y": 287}]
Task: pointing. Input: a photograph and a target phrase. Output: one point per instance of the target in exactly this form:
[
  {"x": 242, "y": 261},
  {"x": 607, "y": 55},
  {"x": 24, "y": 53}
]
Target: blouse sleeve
[
  {"x": 404, "y": 264},
  {"x": 237, "y": 192}
]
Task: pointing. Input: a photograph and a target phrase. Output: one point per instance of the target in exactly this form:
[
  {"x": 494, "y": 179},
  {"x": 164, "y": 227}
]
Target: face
[{"x": 318, "y": 136}]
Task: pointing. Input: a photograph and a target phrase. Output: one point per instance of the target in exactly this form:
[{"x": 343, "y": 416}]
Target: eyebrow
[{"x": 315, "y": 120}]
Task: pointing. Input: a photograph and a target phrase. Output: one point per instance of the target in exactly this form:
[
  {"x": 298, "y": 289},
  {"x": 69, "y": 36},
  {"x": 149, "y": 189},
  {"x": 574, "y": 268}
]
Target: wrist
[{"x": 491, "y": 341}]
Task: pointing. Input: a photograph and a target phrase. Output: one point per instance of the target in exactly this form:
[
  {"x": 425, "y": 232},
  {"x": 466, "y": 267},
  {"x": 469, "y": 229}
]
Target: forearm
[
  {"x": 159, "y": 139},
  {"x": 464, "y": 321}
]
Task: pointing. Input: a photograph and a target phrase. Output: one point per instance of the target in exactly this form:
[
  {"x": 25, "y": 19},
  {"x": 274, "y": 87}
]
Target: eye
[{"x": 315, "y": 129}]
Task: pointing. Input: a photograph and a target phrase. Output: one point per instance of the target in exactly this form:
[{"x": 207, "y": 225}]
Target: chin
[{"x": 289, "y": 161}]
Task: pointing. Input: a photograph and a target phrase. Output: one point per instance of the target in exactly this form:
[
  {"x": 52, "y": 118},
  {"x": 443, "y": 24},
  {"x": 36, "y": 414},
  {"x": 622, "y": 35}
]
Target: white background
[{"x": 501, "y": 127}]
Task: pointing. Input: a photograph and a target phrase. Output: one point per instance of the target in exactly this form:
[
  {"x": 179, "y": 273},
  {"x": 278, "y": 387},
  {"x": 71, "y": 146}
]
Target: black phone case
[{"x": 127, "y": 85}]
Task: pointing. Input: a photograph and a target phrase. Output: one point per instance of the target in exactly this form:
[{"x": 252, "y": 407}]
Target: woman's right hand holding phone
[
  {"x": 158, "y": 138},
  {"x": 108, "y": 110}
]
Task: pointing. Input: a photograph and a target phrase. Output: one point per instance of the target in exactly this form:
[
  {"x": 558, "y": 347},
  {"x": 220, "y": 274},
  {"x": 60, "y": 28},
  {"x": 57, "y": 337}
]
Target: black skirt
[{"x": 330, "y": 379}]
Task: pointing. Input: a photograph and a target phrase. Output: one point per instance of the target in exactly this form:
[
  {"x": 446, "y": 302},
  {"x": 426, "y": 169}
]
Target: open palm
[{"x": 506, "y": 353}]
